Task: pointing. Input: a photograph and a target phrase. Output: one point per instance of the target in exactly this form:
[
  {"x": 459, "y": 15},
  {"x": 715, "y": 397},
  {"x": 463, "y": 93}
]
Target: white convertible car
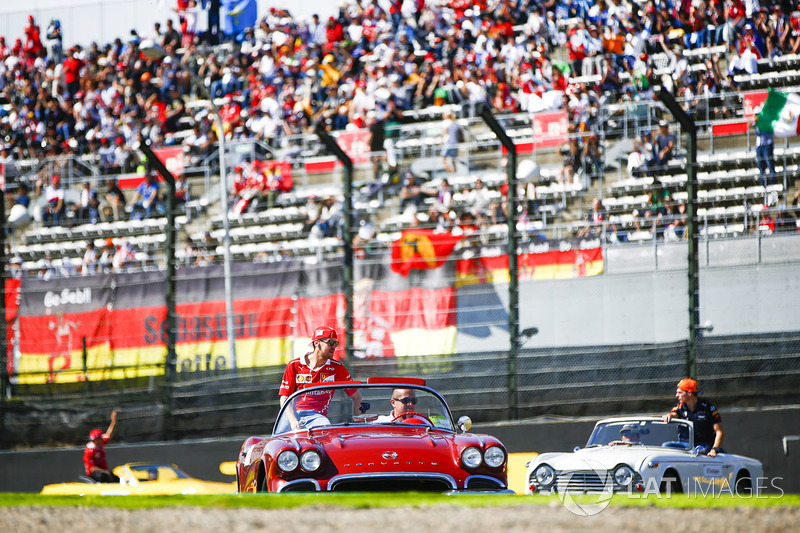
[{"x": 643, "y": 455}]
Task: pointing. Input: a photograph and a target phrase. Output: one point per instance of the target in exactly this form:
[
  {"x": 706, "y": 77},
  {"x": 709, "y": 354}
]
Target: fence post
[
  {"x": 170, "y": 365},
  {"x": 513, "y": 274},
  {"x": 4, "y": 377},
  {"x": 690, "y": 128},
  {"x": 347, "y": 231}
]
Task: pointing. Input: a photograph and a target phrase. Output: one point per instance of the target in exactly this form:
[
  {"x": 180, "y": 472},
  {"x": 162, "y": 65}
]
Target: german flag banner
[
  {"x": 421, "y": 249},
  {"x": 548, "y": 260},
  {"x": 121, "y": 320}
]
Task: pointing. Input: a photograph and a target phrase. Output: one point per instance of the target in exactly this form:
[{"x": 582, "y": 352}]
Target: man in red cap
[
  {"x": 314, "y": 368},
  {"x": 94, "y": 455},
  {"x": 708, "y": 433}
]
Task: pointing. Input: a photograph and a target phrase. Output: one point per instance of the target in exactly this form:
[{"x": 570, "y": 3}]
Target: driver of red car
[
  {"x": 314, "y": 368},
  {"x": 403, "y": 401}
]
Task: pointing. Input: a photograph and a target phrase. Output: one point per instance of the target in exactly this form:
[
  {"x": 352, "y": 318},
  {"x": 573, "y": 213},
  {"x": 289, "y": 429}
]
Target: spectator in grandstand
[
  {"x": 572, "y": 161},
  {"x": 593, "y": 219},
  {"x": 362, "y": 242},
  {"x": 676, "y": 223},
  {"x": 451, "y": 137},
  {"x": 181, "y": 190},
  {"x": 53, "y": 210},
  {"x": 45, "y": 269},
  {"x": 412, "y": 194},
  {"x": 765, "y": 153},
  {"x": 114, "y": 207},
  {"x": 87, "y": 208},
  {"x": 655, "y": 209},
  {"x": 592, "y": 159},
  {"x": 708, "y": 434},
  {"x": 14, "y": 268},
  {"x": 749, "y": 49},
  {"x": 206, "y": 251},
  {"x": 90, "y": 259},
  {"x": 444, "y": 196},
  {"x": 106, "y": 261},
  {"x": 22, "y": 196},
  {"x": 145, "y": 198},
  {"x": 124, "y": 257},
  {"x": 94, "y": 455},
  {"x": 664, "y": 147},
  {"x": 637, "y": 159},
  {"x": 55, "y": 50},
  {"x": 479, "y": 201},
  {"x": 330, "y": 219}
]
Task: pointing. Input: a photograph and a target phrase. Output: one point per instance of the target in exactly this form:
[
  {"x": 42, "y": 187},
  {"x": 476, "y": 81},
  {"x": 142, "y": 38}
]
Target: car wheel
[
  {"x": 744, "y": 484},
  {"x": 670, "y": 483},
  {"x": 263, "y": 484}
]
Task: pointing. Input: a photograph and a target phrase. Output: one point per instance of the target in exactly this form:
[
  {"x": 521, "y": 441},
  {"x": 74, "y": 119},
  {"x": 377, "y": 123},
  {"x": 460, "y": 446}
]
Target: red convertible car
[{"x": 402, "y": 438}]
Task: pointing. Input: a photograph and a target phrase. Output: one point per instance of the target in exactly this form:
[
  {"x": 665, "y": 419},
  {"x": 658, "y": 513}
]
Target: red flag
[{"x": 421, "y": 249}]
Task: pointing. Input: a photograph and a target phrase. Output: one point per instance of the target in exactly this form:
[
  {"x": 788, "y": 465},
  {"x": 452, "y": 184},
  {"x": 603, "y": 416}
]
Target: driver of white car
[{"x": 629, "y": 433}]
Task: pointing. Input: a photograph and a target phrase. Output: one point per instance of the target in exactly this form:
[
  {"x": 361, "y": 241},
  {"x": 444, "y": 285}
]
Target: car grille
[
  {"x": 591, "y": 481},
  {"x": 302, "y": 486},
  {"x": 580, "y": 482},
  {"x": 483, "y": 483},
  {"x": 390, "y": 484}
]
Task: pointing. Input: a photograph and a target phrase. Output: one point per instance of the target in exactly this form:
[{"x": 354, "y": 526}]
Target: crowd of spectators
[
  {"x": 368, "y": 64},
  {"x": 288, "y": 72}
]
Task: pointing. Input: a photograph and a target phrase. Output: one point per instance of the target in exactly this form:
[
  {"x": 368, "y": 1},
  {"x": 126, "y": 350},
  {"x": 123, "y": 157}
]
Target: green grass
[{"x": 378, "y": 500}]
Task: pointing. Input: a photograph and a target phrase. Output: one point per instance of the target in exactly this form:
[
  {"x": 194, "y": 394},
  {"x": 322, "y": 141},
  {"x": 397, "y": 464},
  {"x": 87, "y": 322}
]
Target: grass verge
[{"x": 381, "y": 500}]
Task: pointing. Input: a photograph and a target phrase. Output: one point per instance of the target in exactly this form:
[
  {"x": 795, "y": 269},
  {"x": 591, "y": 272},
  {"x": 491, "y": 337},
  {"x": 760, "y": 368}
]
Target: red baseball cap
[
  {"x": 324, "y": 333},
  {"x": 688, "y": 385},
  {"x": 95, "y": 434}
]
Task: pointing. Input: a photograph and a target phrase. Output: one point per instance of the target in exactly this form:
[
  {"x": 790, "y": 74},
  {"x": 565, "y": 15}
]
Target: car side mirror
[{"x": 464, "y": 424}]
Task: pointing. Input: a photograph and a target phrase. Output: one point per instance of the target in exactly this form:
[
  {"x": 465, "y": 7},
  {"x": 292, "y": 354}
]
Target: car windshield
[
  {"x": 157, "y": 472},
  {"x": 676, "y": 434},
  {"x": 388, "y": 404}
]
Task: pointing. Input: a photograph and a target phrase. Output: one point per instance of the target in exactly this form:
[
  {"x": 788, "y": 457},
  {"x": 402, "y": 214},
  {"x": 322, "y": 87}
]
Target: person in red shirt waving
[
  {"x": 314, "y": 368},
  {"x": 94, "y": 456}
]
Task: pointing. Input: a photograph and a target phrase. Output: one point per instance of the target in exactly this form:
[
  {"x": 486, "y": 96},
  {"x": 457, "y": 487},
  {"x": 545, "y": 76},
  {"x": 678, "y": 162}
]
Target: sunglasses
[
  {"x": 406, "y": 401},
  {"x": 330, "y": 342}
]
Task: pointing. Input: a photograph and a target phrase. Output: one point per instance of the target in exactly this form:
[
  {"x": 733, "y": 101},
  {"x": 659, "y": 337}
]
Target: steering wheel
[{"x": 412, "y": 413}]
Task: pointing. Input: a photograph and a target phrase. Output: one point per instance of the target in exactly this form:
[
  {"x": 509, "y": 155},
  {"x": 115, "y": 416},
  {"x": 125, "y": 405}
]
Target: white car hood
[{"x": 603, "y": 457}]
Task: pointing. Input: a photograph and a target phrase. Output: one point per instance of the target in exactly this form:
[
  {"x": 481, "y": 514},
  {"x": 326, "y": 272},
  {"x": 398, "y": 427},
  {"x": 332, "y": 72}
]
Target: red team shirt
[
  {"x": 298, "y": 376},
  {"x": 95, "y": 456}
]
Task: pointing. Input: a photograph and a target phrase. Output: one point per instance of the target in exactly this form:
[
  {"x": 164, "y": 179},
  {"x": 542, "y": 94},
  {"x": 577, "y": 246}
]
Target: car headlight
[
  {"x": 494, "y": 456},
  {"x": 287, "y": 460},
  {"x": 544, "y": 476},
  {"x": 623, "y": 476},
  {"x": 471, "y": 457},
  {"x": 310, "y": 460}
]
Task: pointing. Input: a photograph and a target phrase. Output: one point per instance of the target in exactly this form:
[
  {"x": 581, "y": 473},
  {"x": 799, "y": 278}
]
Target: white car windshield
[
  {"x": 333, "y": 406},
  {"x": 676, "y": 434}
]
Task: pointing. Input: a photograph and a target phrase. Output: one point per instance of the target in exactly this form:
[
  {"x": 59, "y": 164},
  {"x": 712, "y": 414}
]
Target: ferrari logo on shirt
[{"x": 303, "y": 378}]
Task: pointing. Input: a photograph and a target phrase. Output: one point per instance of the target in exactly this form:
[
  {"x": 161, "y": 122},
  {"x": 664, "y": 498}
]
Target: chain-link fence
[{"x": 604, "y": 330}]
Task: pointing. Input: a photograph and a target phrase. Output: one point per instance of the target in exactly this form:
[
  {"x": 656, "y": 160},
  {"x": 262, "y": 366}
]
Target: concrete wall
[{"x": 754, "y": 433}]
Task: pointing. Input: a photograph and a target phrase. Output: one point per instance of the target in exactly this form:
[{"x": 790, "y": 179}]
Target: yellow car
[{"x": 144, "y": 479}]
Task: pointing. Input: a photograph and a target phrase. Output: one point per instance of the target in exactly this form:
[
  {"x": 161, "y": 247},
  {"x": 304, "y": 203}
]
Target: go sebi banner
[{"x": 120, "y": 318}]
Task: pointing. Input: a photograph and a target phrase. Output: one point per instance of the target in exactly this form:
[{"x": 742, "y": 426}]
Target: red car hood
[{"x": 390, "y": 449}]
